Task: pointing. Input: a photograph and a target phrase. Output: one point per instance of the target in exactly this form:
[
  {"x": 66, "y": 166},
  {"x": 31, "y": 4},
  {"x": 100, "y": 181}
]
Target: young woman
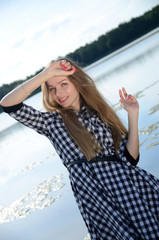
[{"x": 117, "y": 199}]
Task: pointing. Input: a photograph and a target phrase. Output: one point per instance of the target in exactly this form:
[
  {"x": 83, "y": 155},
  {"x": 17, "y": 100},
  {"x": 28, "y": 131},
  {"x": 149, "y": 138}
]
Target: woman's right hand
[{"x": 59, "y": 68}]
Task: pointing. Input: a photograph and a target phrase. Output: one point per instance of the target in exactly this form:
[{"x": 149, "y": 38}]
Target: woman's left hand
[{"x": 127, "y": 101}]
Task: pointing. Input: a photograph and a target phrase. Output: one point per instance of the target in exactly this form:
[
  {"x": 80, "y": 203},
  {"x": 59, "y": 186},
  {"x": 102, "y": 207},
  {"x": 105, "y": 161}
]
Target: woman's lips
[{"x": 62, "y": 100}]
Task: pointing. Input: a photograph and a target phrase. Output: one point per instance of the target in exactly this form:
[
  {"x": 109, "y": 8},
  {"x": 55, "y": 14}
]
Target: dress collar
[{"x": 84, "y": 112}]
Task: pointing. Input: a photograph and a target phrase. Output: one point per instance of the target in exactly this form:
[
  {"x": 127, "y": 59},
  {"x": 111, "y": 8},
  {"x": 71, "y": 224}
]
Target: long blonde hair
[{"x": 94, "y": 102}]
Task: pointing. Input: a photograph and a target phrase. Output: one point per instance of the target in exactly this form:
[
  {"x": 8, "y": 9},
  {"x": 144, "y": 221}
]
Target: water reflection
[
  {"x": 33, "y": 165},
  {"x": 40, "y": 197},
  {"x": 154, "y": 109},
  {"x": 128, "y": 64},
  {"x": 148, "y": 131},
  {"x": 87, "y": 237}
]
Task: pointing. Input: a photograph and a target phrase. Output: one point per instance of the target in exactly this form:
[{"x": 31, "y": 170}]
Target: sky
[{"x": 34, "y": 32}]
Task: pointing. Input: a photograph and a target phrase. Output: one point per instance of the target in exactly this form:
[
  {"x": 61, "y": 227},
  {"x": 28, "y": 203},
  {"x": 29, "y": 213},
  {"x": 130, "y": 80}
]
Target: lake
[{"x": 36, "y": 200}]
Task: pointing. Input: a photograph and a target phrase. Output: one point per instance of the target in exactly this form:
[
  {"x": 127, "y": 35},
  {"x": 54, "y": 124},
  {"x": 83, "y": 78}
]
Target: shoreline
[{"x": 123, "y": 49}]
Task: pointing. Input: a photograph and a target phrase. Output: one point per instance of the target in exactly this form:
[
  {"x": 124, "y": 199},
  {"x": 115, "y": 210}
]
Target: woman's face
[{"x": 64, "y": 92}]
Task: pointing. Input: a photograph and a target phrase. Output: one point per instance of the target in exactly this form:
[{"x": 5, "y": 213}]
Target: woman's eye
[
  {"x": 63, "y": 84},
  {"x": 52, "y": 89}
]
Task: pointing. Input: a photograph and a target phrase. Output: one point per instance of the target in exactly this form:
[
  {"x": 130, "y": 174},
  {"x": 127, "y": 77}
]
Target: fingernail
[
  {"x": 62, "y": 65},
  {"x": 75, "y": 70}
]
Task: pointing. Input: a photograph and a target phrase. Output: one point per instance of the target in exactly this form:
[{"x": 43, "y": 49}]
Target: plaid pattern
[{"x": 116, "y": 199}]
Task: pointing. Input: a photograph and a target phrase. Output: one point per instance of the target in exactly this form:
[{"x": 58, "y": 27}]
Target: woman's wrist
[{"x": 133, "y": 113}]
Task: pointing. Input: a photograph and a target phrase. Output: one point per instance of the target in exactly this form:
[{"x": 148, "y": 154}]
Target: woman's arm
[
  {"x": 20, "y": 93},
  {"x": 130, "y": 104},
  {"x": 133, "y": 137}
]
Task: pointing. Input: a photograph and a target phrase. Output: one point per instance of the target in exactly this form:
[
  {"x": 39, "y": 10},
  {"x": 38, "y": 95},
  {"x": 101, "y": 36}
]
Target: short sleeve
[
  {"x": 29, "y": 116},
  {"x": 124, "y": 154}
]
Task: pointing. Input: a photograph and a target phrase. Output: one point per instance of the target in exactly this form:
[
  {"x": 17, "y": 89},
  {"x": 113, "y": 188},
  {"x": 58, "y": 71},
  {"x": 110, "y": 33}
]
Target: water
[{"x": 36, "y": 199}]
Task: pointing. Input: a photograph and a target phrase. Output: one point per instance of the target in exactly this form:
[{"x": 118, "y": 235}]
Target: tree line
[{"x": 104, "y": 45}]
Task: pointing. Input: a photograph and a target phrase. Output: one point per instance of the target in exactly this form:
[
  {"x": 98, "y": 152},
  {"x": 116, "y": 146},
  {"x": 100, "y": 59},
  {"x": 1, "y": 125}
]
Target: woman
[{"x": 117, "y": 199}]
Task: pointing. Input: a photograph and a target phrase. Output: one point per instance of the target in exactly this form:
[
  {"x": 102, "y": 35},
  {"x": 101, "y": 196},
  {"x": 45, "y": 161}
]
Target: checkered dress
[{"x": 117, "y": 199}]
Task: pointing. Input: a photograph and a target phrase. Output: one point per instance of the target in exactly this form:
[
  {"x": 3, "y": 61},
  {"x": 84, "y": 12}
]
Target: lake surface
[{"x": 36, "y": 200}]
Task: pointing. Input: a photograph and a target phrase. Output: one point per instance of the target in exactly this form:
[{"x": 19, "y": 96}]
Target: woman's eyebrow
[{"x": 58, "y": 82}]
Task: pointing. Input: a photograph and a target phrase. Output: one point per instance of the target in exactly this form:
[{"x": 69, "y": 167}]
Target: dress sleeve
[
  {"x": 124, "y": 154},
  {"x": 29, "y": 116}
]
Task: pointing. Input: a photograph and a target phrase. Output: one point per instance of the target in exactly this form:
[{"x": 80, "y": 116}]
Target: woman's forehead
[{"x": 56, "y": 80}]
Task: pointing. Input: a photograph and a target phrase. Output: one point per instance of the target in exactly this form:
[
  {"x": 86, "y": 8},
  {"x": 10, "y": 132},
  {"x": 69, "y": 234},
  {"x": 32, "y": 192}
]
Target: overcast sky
[{"x": 33, "y": 32}]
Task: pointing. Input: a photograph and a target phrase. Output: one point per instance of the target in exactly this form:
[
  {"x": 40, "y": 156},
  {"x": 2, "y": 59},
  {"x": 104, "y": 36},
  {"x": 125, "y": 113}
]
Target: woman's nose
[{"x": 58, "y": 93}]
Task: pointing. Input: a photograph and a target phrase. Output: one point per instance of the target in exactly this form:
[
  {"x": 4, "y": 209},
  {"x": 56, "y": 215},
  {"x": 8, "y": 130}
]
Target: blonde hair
[{"x": 94, "y": 102}]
